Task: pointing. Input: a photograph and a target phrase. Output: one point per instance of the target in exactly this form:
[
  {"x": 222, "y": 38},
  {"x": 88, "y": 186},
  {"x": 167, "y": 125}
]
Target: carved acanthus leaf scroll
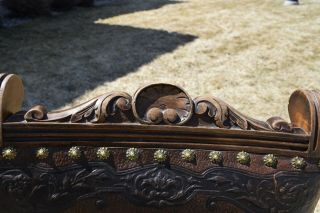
[
  {"x": 160, "y": 104},
  {"x": 225, "y": 116},
  {"x": 96, "y": 110}
]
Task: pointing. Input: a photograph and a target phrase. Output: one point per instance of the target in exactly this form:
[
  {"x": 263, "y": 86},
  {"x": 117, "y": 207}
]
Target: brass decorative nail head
[
  {"x": 188, "y": 155},
  {"x": 270, "y": 160},
  {"x": 103, "y": 153},
  {"x": 243, "y": 158},
  {"x": 160, "y": 155},
  {"x": 42, "y": 153},
  {"x": 132, "y": 154},
  {"x": 216, "y": 157},
  {"x": 298, "y": 163},
  {"x": 74, "y": 152},
  {"x": 9, "y": 153}
]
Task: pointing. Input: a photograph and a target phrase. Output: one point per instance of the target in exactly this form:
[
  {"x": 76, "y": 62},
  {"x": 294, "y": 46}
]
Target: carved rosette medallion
[{"x": 162, "y": 104}]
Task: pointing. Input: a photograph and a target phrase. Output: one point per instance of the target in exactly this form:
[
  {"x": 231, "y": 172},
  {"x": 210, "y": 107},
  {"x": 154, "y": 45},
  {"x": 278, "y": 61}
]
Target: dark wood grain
[
  {"x": 157, "y": 116},
  {"x": 164, "y": 115},
  {"x": 57, "y": 134}
]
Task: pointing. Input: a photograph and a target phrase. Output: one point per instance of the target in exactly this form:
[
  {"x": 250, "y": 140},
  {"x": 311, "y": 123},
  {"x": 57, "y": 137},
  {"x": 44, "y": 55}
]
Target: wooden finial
[
  {"x": 304, "y": 112},
  {"x": 11, "y": 97}
]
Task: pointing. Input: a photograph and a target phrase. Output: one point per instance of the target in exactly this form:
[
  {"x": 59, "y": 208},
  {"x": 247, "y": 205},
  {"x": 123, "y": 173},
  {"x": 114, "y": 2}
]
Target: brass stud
[
  {"x": 9, "y": 153},
  {"x": 298, "y": 163},
  {"x": 103, "y": 153},
  {"x": 42, "y": 153},
  {"x": 216, "y": 157},
  {"x": 188, "y": 155},
  {"x": 270, "y": 160},
  {"x": 243, "y": 158},
  {"x": 132, "y": 154},
  {"x": 160, "y": 155},
  {"x": 74, "y": 152}
]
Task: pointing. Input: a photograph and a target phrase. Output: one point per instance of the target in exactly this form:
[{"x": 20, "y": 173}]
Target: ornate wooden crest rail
[{"x": 156, "y": 150}]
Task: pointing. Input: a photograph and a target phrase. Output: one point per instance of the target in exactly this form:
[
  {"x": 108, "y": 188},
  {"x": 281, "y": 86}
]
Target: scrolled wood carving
[
  {"x": 225, "y": 116},
  {"x": 213, "y": 108},
  {"x": 96, "y": 110},
  {"x": 160, "y": 104}
]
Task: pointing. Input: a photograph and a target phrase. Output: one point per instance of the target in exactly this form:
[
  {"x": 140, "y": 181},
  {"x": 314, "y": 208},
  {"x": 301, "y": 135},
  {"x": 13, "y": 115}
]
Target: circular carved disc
[{"x": 162, "y": 104}]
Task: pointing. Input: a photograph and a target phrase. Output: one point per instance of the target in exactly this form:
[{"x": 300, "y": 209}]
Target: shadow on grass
[{"x": 61, "y": 58}]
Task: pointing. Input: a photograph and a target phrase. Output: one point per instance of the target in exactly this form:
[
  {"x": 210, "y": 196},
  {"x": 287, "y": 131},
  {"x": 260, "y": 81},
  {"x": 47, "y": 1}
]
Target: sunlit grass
[{"x": 252, "y": 54}]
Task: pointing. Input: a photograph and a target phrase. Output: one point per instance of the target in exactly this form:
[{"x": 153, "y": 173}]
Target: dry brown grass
[{"x": 253, "y": 54}]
